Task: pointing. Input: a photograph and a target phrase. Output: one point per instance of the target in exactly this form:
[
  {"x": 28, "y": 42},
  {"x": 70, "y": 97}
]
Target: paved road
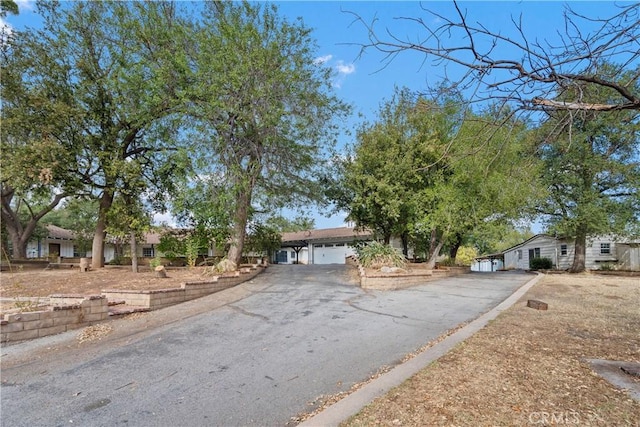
[{"x": 256, "y": 354}]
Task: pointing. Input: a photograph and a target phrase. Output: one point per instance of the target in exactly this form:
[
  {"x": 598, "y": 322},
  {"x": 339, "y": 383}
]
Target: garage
[
  {"x": 323, "y": 246},
  {"x": 331, "y": 253}
]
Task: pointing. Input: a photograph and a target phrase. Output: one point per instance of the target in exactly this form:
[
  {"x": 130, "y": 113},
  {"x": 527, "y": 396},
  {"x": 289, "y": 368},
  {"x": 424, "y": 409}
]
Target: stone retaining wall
[
  {"x": 389, "y": 281},
  {"x": 65, "y": 313},
  {"x": 160, "y": 298},
  {"x": 384, "y": 282}
]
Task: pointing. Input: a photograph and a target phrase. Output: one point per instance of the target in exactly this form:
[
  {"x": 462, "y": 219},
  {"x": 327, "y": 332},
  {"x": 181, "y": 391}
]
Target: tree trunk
[
  {"x": 97, "y": 248},
  {"x": 239, "y": 232},
  {"x": 20, "y": 233},
  {"x": 405, "y": 244},
  {"x": 386, "y": 237},
  {"x": 134, "y": 252},
  {"x": 580, "y": 250},
  {"x": 433, "y": 242},
  {"x": 431, "y": 263},
  {"x": 453, "y": 251},
  {"x": 5, "y": 244}
]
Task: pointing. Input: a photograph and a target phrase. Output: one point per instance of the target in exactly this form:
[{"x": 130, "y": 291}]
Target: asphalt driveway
[{"x": 257, "y": 354}]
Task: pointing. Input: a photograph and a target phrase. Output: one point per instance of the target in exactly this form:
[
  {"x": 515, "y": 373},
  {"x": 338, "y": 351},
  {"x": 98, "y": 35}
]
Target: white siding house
[
  {"x": 601, "y": 250},
  {"x": 323, "y": 246},
  {"x": 59, "y": 242}
]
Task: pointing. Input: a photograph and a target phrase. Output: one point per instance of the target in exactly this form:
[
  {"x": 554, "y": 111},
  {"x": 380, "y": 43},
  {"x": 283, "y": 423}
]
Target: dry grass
[
  {"x": 42, "y": 283},
  {"x": 527, "y": 367}
]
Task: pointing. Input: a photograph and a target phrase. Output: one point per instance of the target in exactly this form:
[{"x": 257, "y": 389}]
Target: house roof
[
  {"x": 527, "y": 241},
  {"x": 59, "y": 233},
  {"x": 152, "y": 238},
  {"x": 325, "y": 234}
]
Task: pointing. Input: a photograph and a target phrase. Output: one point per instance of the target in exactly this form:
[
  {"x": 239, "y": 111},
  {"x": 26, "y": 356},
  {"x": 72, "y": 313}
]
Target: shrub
[
  {"x": 155, "y": 262},
  {"x": 376, "y": 255},
  {"x": 466, "y": 255},
  {"x": 447, "y": 262},
  {"x": 540, "y": 263},
  {"x": 607, "y": 267}
]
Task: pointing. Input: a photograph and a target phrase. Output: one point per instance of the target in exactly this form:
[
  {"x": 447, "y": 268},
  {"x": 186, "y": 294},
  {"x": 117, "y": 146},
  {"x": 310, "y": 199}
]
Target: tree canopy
[
  {"x": 428, "y": 172},
  {"x": 263, "y": 108},
  {"x": 591, "y": 172}
]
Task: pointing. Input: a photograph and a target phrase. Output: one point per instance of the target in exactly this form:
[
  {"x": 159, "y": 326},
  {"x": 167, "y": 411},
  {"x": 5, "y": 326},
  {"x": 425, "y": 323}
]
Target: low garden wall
[
  {"x": 160, "y": 298},
  {"x": 415, "y": 274},
  {"x": 65, "y": 312}
]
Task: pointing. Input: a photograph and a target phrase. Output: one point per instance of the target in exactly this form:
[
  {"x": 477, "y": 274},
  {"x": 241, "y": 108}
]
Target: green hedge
[{"x": 540, "y": 263}]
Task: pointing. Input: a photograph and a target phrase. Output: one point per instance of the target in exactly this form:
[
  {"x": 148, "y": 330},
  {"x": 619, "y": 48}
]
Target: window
[
  {"x": 148, "y": 252},
  {"x": 605, "y": 248},
  {"x": 339, "y": 245},
  {"x": 519, "y": 253},
  {"x": 76, "y": 252},
  {"x": 534, "y": 253},
  {"x": 563, "y": 250}
]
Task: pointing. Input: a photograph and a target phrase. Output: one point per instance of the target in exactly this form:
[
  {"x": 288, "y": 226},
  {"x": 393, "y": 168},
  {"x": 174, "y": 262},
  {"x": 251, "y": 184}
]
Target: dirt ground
[
  {"x": 42, "y": 283},
  {"x": 528, "y": 367}
]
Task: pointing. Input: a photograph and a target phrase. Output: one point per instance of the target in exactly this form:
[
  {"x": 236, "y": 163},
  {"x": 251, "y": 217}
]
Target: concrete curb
[{"x": 352, "y": 404}]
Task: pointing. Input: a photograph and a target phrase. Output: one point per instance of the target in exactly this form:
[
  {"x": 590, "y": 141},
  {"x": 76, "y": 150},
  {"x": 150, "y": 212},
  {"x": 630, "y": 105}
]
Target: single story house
[
  {"x": 600, "y": 250},
  {"x": 60, "y": 242},
  {"x": 488, "y": 263},
  {"x": 322, "y": 246}
]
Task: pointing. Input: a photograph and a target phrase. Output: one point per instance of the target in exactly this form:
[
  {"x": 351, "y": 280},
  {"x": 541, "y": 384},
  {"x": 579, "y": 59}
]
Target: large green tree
[
  {"x": 264, "y": 108},
  {"x": 431, "y": 172},
  {"x": 390, "y": 162},
  {"x": 592, "y": 168},
  {"x": 110, "y": 75},
  {"x": 34, "y": 163}
]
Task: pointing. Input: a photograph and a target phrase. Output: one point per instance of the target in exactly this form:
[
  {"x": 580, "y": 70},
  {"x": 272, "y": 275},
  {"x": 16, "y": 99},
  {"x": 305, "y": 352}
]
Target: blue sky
[{"x": 364, "y": 81}]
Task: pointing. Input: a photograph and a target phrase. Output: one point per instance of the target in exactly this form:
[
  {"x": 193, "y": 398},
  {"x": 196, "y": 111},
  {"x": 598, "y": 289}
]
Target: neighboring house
[
  {"x": 59, "y": 242},
  {"x": 488, "y": 263},
  {"x": 601, "y": 250},
  {"x": 323, "y": 246}
]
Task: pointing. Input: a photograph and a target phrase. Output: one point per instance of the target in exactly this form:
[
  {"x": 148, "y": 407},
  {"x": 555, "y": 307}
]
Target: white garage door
[{"x": 331, "y": 254}]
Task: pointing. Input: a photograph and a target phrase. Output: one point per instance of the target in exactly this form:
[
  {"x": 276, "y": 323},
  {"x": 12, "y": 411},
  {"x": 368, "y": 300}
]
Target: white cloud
[
  {"x": 342, "y": 69},
  {"x": 322, "y": 59},
  {"x": 5, "y": 31},
  {"x": 164, "y": 218},
  {"x": 24, "y": 5},
  {"x": 345, "y": 69}
]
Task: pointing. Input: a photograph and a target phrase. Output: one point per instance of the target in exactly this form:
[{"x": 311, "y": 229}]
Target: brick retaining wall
[
  {"x": 65, "y": 313},
  {"x": 159, "y": 298},
  {"x": 391, "y": 281}
]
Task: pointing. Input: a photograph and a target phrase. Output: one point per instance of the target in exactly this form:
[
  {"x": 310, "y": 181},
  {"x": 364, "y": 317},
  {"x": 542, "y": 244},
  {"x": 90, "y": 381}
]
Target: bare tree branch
[{"x": 540, "y": 71}]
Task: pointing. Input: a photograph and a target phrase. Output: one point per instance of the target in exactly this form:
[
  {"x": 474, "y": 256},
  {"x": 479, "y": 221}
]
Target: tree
[
  {"x": 431, "y": 173},
  {"x": 389, "y": 165},
  {"x": 110, "y": 74},
  {"x": 34, "y": 177},
  {"x": 263, "y": 239},
  {"x": 592, "y": 170},
  {"x": 284, "y": 225},
  {"x": 487, "y": 179},
  {"x": 264, "y": 109},
  {"x": 541, "y": 74}
]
